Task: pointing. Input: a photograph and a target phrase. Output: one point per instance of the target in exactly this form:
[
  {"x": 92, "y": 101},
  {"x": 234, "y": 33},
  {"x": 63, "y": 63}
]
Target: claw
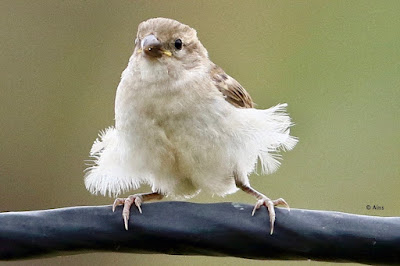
[
  {"x": 256, "y": 207},
  {"x": 254, "y": 210},
  {"x": 126, "y": 218},
  {"x": 138, "y": 203},
  {"x": 272, "y": 223},
  {"x": 270, "y": 204}
]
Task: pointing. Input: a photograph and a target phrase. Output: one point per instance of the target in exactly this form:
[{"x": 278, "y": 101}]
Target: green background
[{"x": 337, "y": 64}]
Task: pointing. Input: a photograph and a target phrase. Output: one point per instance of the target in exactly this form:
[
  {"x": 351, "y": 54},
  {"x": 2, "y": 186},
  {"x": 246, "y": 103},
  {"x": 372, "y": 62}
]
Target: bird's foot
[
  {"x": 127, "y": 202},
  {"x": 137, "y": 199},
  {"x": 270, "y": 204}
]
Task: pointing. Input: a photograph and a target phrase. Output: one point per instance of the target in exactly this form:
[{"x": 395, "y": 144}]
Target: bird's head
[{"x": 170, "y": 43}]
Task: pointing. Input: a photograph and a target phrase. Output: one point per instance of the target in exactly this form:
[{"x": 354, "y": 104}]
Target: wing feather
[{"x": 233, "y": 92}]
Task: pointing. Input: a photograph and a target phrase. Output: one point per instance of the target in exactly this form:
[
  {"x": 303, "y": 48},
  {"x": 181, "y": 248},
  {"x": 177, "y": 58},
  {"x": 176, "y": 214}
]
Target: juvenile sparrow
[{"x": 182, "y": 125}]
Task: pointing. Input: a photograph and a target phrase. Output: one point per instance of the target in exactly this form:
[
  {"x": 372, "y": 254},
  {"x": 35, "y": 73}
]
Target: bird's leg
[
  {"x": 262, "y": 201},
  {"x": 137, "y": 199}
]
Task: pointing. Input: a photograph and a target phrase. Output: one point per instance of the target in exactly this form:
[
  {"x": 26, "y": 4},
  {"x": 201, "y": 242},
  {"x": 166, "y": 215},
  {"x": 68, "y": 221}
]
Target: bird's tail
[
  {"x": 107, "y": 174},
  {"x": 276, "y": 137},
  {"x": 268, "y": 133}
]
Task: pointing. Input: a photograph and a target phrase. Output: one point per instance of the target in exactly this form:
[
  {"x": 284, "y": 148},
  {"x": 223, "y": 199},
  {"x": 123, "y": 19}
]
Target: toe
[
  {"x": 271, "y": 211},
  {"x": 281, "y": 201},
  {"x": 117, "y": 202},
  {"x": 126, "y": 211},
  {"x": 257, "y": 206}
]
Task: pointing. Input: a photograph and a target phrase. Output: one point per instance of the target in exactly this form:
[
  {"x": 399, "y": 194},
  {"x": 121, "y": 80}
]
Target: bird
[{"x": 182, "y": 125}]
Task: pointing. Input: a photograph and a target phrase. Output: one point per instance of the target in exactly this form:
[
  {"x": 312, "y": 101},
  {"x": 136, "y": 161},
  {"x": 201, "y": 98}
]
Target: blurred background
[{"x": 336, "y": 63}]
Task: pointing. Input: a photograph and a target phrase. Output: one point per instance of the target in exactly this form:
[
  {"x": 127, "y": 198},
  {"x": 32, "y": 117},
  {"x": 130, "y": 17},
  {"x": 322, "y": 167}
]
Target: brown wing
[{"x": 233, "y": 92}]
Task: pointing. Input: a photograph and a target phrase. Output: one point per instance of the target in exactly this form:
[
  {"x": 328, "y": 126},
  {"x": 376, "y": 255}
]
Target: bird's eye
[{"x": 178, "y": 44}]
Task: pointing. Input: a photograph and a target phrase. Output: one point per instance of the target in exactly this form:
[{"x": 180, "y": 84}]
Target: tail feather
[
  {"x": 107, "y": 174},
  {"x": 275, "y": 138}
]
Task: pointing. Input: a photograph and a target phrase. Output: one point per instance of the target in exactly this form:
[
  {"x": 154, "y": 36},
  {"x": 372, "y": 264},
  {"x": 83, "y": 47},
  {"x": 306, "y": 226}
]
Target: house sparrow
[{"x": 182, "y": 125}]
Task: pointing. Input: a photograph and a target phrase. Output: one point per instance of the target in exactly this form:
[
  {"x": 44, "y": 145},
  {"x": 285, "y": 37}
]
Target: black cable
[{"x": 221, "y": 229}]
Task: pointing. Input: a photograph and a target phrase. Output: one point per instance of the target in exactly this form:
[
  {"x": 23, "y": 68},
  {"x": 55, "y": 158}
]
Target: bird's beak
[{"x": 152, "y": 47}]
